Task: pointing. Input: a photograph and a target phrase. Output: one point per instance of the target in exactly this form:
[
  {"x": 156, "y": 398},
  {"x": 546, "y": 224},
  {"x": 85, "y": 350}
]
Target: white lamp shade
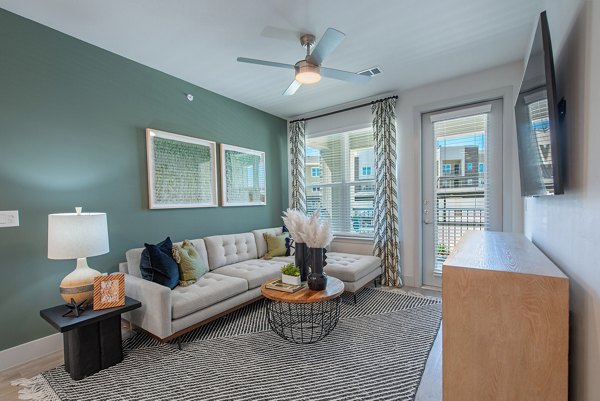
[{"x": 72, "y": 235}]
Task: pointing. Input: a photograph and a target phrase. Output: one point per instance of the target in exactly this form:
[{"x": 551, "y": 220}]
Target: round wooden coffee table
[{"x": 305, "y": 316}]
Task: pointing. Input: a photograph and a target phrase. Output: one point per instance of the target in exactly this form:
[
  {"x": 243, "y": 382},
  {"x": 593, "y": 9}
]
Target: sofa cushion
[
  {"x": 255, "y": 271},
  {"x": 134, "y": 256},
  {"x": 191, "y": 265},
  {"x": 228, "y": 249},
  {"x": 350, "y": 267},
  {"x": 165, "y": 246},
  {"x": 284, "y": 259},
  {"x": 208, "y": 290},
  {"x": 276, "y": 245},
  {"x": 261, "y": 243},
  {"x": 157, "y": 264},
  {"x": 200, "y": 247},
  {"x": 344, "y": 266}
]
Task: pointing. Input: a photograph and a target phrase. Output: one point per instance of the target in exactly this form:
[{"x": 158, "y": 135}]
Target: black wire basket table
[{"x": 306, "y": 316}]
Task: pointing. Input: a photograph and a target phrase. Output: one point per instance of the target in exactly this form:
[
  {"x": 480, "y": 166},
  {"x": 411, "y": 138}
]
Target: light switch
[{"x": 9, "y": 218}]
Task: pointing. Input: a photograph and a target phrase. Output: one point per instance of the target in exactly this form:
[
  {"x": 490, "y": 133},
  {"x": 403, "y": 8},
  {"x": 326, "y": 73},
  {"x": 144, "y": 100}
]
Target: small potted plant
[{"x": 290, "y": 274}]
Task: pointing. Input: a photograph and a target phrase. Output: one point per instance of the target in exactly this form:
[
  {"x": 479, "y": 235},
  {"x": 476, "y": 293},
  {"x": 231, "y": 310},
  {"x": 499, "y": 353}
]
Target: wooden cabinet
[{"x": 505, "y": 321}]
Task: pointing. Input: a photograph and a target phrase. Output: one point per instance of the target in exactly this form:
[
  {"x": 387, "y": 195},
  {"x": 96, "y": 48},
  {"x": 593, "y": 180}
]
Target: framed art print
[
  {"x": 182, "y": 171},
  {"x": 243, "y": 180}
]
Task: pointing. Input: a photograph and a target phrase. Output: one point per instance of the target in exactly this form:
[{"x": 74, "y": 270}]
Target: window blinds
[{"x": 343, "y": 189}]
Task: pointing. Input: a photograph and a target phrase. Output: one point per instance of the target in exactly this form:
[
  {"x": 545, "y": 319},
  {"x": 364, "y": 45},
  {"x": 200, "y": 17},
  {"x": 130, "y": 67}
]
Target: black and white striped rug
[
  {"x": 251, "y": 319},
  {"x": 377, "y": 352}
]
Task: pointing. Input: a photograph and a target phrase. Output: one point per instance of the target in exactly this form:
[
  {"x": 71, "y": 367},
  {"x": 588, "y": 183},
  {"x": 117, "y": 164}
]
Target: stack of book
[{"x": 280, "y": 286}]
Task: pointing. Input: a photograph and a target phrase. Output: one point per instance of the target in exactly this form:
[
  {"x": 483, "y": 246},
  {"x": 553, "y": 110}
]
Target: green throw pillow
[
  {"x": 275, "y": 245},
  {"x": 191, "y": 265}
]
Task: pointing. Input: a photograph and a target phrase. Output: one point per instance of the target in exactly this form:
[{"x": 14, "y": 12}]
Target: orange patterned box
[{"x": 109, "y": 291}]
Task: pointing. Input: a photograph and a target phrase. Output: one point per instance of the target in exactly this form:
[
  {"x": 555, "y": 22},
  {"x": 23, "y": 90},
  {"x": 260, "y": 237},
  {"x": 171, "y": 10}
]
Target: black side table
[{"x": 92, "y": 341}]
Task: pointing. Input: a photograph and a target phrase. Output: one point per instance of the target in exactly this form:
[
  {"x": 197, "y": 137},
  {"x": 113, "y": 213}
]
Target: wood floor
[
  {"x": 430, "y": 388},
  {"x": 27, "y": 370}
]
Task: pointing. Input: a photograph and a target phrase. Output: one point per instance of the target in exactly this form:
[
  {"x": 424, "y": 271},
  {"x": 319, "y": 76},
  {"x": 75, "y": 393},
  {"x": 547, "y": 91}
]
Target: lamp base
[{"x": 78, "y": 286}]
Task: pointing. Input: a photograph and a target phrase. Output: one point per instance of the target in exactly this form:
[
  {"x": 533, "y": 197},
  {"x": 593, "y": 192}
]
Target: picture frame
[
  {"x": 109, "y": 291},
  {"x": 243, "y": 176},
  {"x": 182, "y": 171}
]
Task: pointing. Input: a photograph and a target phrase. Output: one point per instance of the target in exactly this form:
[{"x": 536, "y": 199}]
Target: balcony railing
[
  {"x": 461, "y": 181},
  {"x": 451, "y": 224}
]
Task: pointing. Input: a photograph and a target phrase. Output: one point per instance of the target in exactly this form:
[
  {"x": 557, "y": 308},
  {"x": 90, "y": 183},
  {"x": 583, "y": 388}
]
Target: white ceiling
[{"x": 415, "y": 42}]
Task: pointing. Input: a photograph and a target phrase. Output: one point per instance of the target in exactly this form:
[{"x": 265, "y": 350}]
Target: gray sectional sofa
[{"x": 236, "y": 272}]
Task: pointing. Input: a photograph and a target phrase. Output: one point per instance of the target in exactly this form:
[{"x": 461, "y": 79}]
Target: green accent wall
[{"x": 72, "y": 131}]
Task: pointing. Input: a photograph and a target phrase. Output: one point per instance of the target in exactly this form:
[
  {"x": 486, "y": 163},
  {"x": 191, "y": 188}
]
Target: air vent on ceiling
[{"x": 369, "y": 72}]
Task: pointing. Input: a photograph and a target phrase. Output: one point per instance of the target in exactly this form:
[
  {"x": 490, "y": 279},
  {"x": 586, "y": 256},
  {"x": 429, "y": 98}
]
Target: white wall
[
  {"x": 498, "y": 82},
  {"x": 566, "y": 227}
]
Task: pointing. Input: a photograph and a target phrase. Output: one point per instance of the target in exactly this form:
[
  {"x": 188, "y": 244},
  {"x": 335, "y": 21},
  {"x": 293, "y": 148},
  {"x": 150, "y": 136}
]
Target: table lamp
[{"x": 77, "y": 236}]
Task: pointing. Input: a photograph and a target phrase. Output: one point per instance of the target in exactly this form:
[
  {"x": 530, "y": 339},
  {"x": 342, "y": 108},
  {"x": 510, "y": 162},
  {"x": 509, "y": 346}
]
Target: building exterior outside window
[{"x": 341, "y": 183}]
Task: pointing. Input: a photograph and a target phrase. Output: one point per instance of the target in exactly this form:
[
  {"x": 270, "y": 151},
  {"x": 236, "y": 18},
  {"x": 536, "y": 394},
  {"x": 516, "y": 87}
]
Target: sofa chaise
[{"x": 236, "y": 272}]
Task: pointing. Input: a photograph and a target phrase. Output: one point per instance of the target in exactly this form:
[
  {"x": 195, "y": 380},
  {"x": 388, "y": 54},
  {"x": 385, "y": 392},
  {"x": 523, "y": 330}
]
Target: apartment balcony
[{"x": 451, "y": 224}]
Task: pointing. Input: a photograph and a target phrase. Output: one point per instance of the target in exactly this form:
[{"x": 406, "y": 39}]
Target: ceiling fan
[{"x": 309, "y": 70}]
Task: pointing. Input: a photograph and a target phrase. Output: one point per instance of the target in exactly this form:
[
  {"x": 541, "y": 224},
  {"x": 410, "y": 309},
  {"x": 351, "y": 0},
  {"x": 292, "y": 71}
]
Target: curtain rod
[{"x": 343, "y": 110}]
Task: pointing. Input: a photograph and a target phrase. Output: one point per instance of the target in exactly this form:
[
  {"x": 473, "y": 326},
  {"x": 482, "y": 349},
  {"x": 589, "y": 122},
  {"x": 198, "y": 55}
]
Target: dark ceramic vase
[
  {"x": 301, "y": 259},
  {"x": 317, "y": 279}
]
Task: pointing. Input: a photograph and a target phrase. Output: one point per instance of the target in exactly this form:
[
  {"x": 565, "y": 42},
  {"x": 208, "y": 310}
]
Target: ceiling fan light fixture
[{"x": 307, "y": 73}]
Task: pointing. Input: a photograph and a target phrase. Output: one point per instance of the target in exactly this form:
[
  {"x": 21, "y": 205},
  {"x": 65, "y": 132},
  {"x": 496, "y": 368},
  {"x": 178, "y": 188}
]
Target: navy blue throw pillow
[
  {"x": 145, "y": 264},
  {"x": 157, "y": 264}
]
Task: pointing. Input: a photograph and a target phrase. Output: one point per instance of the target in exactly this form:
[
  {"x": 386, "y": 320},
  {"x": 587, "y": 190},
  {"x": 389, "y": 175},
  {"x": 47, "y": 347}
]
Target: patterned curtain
[
  {"x": 386, "y": 206},
  {"x": 297, "y": 165}
]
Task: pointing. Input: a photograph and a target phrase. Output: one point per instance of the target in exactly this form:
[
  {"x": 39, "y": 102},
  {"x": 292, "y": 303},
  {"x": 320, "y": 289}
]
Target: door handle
[{"x": 426, "y": 213}]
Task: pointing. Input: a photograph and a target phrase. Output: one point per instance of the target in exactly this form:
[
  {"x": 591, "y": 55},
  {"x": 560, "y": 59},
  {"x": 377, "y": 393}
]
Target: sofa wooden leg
[
  {"x": 346, "y": 298},
  {"x": 179, "y": 343}
]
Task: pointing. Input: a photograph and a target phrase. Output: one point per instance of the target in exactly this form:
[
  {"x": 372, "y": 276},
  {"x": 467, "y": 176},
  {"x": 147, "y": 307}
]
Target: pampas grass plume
[
  {"x": 294, "y": 221},
  {"x": 315, "y": 233}
]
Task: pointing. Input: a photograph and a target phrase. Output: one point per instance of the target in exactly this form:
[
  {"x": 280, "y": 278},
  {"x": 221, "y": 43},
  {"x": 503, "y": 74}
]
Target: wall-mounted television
[{"x": 539, "y": 138}]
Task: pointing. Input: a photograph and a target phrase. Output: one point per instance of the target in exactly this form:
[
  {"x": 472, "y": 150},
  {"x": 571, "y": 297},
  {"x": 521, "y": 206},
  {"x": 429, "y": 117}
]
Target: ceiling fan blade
[
  {"x": 327, "y": 44},
  {"x": 292, "y": 88},
  {"x": 263, "y": 62},
  {"x": 344, "y": 75},
  {"x": 273, "y": 32}
]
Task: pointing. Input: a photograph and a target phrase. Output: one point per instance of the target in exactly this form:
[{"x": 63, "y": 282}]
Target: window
[
  {"x": 344, "y": 189},
  {"x": 481, "y": 168},
  {"x": 469, "y": 166},
  {"x": 446, "y": 168}
]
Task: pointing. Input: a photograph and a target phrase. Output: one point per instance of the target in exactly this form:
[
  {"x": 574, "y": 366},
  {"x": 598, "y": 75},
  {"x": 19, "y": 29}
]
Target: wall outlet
[{"x": 9, "y": 218}]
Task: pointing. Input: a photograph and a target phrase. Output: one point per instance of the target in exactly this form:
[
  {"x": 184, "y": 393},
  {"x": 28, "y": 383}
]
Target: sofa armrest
[
  {"x": 123, "y": 267},
  {"x": 155, "y": 314}
]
